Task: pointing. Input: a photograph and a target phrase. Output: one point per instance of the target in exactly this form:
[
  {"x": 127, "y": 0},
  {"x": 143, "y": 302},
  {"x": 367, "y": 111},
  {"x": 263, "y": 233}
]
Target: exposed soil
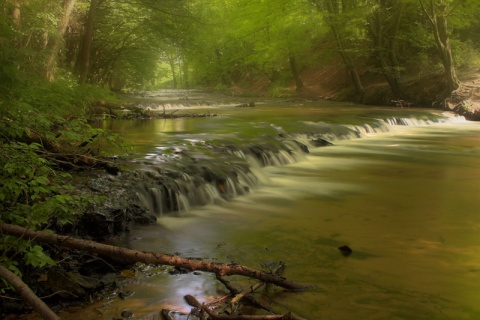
[
  {"x": 332, "y": 83},
  {"x": 466, "y": 99}
]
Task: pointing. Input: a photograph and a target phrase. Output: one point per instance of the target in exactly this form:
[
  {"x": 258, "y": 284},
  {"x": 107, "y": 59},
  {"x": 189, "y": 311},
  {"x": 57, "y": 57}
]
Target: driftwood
[
  {"x": 216, "y": 316},
  {"x": 235, "y": 292},
  {"x": 220, "y": 269},
  {"x": 27, "y": 294}
]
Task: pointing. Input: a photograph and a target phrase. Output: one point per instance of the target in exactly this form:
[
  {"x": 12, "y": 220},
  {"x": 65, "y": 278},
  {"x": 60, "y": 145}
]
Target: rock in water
[{"x": 345, "y": 250}]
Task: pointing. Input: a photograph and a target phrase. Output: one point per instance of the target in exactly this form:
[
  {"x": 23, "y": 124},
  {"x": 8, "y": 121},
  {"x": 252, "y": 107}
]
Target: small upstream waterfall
[{"x": 212, "y": 172}]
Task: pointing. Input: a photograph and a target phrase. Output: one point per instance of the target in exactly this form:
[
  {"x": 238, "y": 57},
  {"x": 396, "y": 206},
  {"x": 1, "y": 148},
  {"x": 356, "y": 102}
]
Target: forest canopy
[{"x": 146, "y": 44}]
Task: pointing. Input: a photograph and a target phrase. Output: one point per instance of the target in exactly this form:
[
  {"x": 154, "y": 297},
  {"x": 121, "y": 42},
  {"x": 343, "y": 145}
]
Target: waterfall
[{"x": 217, "y": 171}]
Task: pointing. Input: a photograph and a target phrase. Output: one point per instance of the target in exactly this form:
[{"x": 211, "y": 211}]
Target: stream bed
[{"x": 400, "y": 187}]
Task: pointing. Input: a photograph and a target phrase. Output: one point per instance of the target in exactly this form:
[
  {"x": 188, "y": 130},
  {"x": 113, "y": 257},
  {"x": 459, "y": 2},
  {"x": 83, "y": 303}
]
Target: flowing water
[{"x": 399, "y": 186}]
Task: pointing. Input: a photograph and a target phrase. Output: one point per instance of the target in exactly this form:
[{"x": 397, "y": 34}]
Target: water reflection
[
  {"x": 406, "y": 202},
  {"x": 406, "y": 206}
]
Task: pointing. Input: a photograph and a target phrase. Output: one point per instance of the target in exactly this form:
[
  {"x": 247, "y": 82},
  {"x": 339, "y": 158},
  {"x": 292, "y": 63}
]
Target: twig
[
  {"x": 234, "y": 302},
  {"x": 248, "y": 299},
  {"x": 212, "y": 313}
]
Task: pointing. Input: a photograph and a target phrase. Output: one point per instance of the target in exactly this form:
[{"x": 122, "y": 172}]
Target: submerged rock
[
  {"x": 345, "y": 250},
  {"x": 321, "y": 142},
  {"x": 71, "y": 285}
]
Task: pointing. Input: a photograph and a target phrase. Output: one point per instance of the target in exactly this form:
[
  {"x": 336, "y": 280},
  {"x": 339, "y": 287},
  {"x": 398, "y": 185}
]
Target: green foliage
[
  {"x": 43, "y": 126},
  {"x": 179, "y": 43},
  {"x": 239, "y": 41},
  {"x": 467, "y": 55},
  {"x": 32, "y": 195}
]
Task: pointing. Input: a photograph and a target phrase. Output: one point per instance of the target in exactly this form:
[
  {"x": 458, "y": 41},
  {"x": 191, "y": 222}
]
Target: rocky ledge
[{"x": 465, "y": 100}]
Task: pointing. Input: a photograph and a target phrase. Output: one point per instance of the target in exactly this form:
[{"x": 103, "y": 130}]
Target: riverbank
[
  {"x": 421, "y": 91},
  {"x": 308, "y": 195},
  {"x": 466, "y": 99},
  {"x": 87, "y": 275}
]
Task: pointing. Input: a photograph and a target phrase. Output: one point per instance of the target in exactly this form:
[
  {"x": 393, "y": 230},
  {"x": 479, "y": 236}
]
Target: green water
[{"x": 407, "y": 202}]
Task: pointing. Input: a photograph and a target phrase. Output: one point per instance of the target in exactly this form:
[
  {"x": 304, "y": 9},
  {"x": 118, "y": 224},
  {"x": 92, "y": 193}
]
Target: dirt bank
[
  {"x": 332, "y": 82},
  {"x": 466, "y": 99}
]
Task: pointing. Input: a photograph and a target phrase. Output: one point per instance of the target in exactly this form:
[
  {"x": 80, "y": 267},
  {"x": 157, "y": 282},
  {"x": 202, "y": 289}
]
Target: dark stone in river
[
  {"x": 321, "y": 142},
  {"x": 302, "y": 146},
  {"x": 71, "y": 285},
  {"x": 96, "y": 266},
  {"x": 345, "y": 250}
]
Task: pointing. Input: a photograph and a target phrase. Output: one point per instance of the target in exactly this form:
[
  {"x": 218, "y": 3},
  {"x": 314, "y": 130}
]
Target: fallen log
[
  {"x": 220, "y": 269},
  {"x": 27, "y": 294}
]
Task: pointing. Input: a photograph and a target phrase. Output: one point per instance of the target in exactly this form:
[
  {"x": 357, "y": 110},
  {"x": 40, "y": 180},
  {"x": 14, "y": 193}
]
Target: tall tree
[
  {"x": 384, "y": 25},
  {"x": 342, "y": 18},
  {"x": 246, "y": 40},
  {"x": 83, "y": 60},
  {"x": 438, "y": 13},
  {"x": 58, "y": 40}
]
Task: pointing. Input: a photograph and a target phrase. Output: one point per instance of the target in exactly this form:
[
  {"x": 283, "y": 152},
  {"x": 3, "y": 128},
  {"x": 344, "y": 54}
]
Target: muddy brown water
[{"x": 406, "y": 200}]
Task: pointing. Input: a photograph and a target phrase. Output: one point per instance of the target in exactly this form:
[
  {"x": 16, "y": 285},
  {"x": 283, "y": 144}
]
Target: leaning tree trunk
[
  {"x": 57, "y": 41},
  {"x": 27, "y": 294},
  {"x": 443, "y": 43},
  {"x": 350, "y": 66},
  {"x": 384, "y": 35},
  {"x": 439, "y": 24},
  {"x": 335, "y": 9}
]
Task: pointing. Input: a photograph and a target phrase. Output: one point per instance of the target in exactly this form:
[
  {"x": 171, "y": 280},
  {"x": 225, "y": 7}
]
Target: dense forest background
[{"x": 277, "y": 47}]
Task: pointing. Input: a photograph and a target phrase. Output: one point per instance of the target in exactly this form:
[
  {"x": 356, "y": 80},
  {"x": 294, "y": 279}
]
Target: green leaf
[{"x": 37, "y": 258}]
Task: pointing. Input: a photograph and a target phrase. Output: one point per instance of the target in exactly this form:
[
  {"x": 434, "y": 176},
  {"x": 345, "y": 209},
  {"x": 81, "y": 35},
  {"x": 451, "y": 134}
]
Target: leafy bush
[
  {"x": 35, "y": 196},
  {"x": 44, "y": 128}
]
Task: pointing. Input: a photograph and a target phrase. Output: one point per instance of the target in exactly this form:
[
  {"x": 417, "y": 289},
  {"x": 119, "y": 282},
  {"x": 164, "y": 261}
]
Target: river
[{"x": 400, "y": 187}]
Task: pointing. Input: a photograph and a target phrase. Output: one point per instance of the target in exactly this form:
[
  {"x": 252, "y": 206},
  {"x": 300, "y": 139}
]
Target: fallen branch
[
  {"x": 27, "y": 294},
  {"x": 248, "y": 299},
  {"x": 220, "y": 269},
  {"x": 234, "y": 302},
  {"x": 216, "y": 316}
]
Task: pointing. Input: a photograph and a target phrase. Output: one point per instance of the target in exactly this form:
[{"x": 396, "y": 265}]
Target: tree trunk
[
  {"x": 439, "y": 24},
  {"x": 83, "y": 62},
  {"x": 335, "y": 9},
  {"x": 445, "y": 49},
  {"x": 16, "y": 14},
  {"x": 220, "y": 269},
  {"x": 171, "y": 61},
  {"x": 185, "y": 73},
  {"x": 27, "y": 294},
  {"x": 350, "y": 66},
  {"x": 383, "y": 29},
  {"x": 57, "y": 41},
  {"x": 293, "y": 67}
]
